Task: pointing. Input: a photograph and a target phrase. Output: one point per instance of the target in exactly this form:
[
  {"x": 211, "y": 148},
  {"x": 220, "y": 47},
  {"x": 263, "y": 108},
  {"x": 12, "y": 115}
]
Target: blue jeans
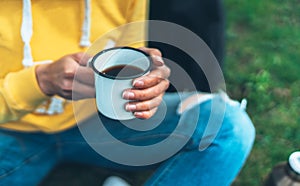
[{"x": 26, "y": 158}]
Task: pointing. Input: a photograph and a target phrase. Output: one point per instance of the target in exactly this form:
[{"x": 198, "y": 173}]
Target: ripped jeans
[{"x": 205, "y": 142}]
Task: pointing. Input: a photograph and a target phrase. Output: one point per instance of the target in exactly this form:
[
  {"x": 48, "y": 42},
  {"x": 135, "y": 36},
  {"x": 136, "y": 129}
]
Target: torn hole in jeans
[
  {"x": 192, "y": 101},
  {"x": 198, "y": 98}
]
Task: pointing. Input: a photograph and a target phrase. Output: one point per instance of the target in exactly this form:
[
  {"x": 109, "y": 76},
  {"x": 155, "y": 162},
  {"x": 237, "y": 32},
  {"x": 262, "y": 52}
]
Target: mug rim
[{"x": 116, "y": 77}]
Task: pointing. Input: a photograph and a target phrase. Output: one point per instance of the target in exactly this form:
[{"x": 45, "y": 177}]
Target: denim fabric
[{"x": 26, "y": 158}]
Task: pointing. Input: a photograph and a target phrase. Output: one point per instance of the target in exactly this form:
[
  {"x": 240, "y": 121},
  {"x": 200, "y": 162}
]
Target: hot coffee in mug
[{"x": 115, "y": 69}]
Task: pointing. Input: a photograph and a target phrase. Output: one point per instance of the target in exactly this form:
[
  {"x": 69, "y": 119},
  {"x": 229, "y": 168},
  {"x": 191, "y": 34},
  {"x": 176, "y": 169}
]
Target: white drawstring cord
[
  {"x": 85, "y": 37},
  {"x": 26, "y": 33},
  {"x": 27, "y": 30},
  {"x": 56, "y": 106}
]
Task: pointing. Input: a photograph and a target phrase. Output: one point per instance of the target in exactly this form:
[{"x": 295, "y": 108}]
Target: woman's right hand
[{"x": 58, "y": 78}]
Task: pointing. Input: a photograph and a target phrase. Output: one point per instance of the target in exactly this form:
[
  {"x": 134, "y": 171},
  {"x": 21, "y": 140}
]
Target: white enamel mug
[{"x": 115, "y": 69}]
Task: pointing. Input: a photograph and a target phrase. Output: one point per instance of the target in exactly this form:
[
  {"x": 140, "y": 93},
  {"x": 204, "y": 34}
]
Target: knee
[
  {"x": 222, "y": 124},
  {"x": 237, "y": 129}
]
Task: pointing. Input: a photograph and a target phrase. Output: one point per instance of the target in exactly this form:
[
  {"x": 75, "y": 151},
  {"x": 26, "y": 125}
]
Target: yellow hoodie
[{"x": 57, "y": 29}]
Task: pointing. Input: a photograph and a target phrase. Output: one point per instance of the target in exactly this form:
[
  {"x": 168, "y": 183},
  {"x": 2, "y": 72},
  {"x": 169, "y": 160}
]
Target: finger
[
  {"x": 80, "y": 82},
  {"x": 65, "y": 88},
  {"x": 145, "y": 114},
  {"x": 85, "y": 75},
  {"x": 69, "y": 88},
  {"x": 71, "y": 95},
  {"x": 69, "y": 68},
  {"x": 146, "y": 82},
  {"x": 155, "y": 54},
  {"x": 81, "y": 58},
  {"x": 144, "y": 105},
  {"x": 88, "y": 93},
  {"x": 153, "y": 78},
  {"x": 146, "y": 94},
  {"x": 162, "y": 71},
  {"x": 67, "y": 94},
  {"x": 153, "y": 51},
  {"x": 66, "y": 84},
  {"x": 82, "y": 91}
]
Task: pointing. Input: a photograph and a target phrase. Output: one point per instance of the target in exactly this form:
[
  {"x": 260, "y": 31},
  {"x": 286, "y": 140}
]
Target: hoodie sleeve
[
  {"x": 135, "y": 32},
  {"x": 19, "y": 94}
]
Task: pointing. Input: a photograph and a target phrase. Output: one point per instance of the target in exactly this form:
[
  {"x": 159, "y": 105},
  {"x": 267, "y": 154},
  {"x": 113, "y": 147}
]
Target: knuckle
[
  {"x": 152, "y": 112},
  {"x": 147, "y": 115},
  {"x": 157, "y": 91},
  {"x": 168, "y": 71},
  {"x": 153, "y": 80},
  {"x": 155, "y": 51},
  {"x": 139, "y": 95},
  {"x": 167, "y": 84},
  {"x": 159, "y": 99},
  {"x": 144, "y": 106},
  {"x": 69, "y": 72},
  {"x": 79, "y": 55},
  {"x": 66, "y": 85},
  {"x": 148, "y": 80},
  {"x": 148, "y": 94},
  {"x": 158, "y": 80}
]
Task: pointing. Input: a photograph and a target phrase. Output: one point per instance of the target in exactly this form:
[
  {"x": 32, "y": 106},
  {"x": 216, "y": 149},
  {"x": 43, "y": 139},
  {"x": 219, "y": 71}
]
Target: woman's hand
[
  {"x": 148, "y": 90},
  {"x": 67, "y": 77}
]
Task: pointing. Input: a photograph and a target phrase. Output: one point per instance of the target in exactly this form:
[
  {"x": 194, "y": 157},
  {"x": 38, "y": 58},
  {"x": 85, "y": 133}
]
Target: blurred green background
[{"x": 262, "y": 65}]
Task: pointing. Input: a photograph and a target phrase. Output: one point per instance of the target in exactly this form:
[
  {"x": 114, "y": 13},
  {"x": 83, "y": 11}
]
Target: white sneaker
[{"x": 115, "y": 181}]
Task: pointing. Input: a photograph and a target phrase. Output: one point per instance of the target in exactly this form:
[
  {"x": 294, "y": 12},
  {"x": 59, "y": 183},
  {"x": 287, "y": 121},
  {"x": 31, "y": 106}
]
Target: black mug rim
[{"x": 115, "y": 77}]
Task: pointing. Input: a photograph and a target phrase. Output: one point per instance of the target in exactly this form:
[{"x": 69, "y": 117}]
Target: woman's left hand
[{"x": 148, "y": 90}]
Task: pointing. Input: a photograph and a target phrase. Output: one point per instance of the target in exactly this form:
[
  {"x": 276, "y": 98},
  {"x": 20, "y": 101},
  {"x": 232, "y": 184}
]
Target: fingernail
[
  {"x": 138, "y": 83},
  {"x": 159, "y": 59},
  {"x": 128, "y": 95},
  {"x": 138, "y": 114},
  {"x": 130, "y": 107}
]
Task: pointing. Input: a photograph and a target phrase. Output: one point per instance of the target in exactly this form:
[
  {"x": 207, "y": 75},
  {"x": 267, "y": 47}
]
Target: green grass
[{"x": 263, "y": 65}]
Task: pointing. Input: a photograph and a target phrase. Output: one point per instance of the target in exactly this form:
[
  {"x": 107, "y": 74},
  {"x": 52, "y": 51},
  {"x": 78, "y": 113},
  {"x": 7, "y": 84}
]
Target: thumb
[{"x": 81, "y": 58}]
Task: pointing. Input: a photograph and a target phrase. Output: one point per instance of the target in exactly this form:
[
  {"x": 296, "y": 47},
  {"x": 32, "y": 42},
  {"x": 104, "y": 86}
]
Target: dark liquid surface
[{"x": 123, "y": 71}]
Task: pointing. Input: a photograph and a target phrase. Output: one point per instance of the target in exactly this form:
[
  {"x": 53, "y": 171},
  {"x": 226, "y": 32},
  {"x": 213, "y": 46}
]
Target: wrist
[{"x": 43, "y": 79}]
